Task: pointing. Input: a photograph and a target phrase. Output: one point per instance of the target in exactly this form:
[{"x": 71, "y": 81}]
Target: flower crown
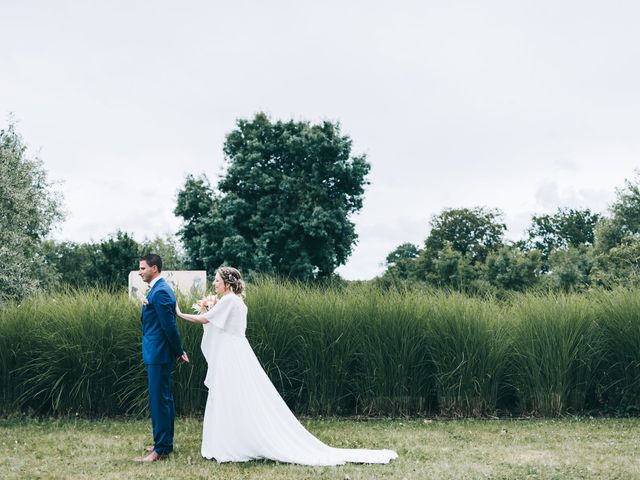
[{"x": 230, "y": 276}]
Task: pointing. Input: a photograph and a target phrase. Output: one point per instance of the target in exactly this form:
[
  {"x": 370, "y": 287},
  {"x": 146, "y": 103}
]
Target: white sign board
[{"x": 187, "y": 282}]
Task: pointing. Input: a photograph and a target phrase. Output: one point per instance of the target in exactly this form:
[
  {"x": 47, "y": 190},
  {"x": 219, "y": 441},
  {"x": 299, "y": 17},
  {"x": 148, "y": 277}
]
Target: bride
[{"x": 245, "y": 418}]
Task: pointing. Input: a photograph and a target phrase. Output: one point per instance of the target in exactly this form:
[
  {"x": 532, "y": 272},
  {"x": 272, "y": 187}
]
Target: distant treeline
[
  {"x": 283, "y": 208},
  {"x": 569, "y": 250},
  {"x": 104, "y": 264}
]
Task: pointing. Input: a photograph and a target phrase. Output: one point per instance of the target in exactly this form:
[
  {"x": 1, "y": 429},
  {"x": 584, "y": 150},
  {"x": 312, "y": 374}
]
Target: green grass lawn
[{"x": 498, "y": 449}]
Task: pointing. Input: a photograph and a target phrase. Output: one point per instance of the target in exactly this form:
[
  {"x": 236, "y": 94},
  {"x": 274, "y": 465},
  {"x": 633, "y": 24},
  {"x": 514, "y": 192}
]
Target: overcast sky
[{"x": 524, "y": 106}]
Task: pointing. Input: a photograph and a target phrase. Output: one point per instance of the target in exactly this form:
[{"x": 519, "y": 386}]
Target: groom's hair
[{"x": 153, "y": 259}]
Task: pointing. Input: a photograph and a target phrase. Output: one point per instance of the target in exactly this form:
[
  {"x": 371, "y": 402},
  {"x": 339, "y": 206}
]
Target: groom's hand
[{"x": 183, "y": 358}]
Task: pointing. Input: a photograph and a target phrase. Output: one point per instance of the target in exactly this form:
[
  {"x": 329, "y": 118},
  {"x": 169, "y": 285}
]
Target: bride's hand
[{"x": 178, "y": 312}]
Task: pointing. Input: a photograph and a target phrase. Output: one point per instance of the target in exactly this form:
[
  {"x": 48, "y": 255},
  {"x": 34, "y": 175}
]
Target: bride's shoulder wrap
[{"x": 221, "y": 311}]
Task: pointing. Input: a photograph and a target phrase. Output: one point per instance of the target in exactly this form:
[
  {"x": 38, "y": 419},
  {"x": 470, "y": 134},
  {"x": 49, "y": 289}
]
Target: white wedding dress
[{"x": 245, "y": 417}]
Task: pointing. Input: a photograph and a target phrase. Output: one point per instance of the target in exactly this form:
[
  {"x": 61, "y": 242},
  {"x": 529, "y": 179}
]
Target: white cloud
[{"x": 550, "y": 196}]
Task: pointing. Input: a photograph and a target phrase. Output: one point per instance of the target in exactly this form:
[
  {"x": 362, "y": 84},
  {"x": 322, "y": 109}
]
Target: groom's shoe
[{"x": 152, "y": 457}]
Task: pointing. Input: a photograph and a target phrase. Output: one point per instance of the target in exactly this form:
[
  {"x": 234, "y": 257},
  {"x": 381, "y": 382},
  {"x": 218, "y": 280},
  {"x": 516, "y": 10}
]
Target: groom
[{"x": 161, "y": 347}]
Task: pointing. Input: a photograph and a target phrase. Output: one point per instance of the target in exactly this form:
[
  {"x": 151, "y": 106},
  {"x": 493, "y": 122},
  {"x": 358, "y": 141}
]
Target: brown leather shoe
[{"x": 152, "y": 457}]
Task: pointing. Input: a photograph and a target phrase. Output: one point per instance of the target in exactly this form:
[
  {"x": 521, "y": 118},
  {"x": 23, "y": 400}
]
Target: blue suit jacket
[{"x": 160, "y": 337}]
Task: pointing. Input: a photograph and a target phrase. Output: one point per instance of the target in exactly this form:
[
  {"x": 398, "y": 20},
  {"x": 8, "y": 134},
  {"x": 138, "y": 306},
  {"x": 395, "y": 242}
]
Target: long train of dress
[{"x": 245, "y": 416}]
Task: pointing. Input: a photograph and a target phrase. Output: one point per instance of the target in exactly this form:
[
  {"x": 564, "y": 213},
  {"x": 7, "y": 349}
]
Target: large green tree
[
  {"x": 620, "y": 265},
  {"x": 117, "y": 255},
  {"x": 572, "y": 268},
  {"x": 616, "y": 252},
  {"x": 402, "y": 260},
  {"x": 74, "y": 263},
  {"x": 29, "y": 207},
  {"x": 566, "y": 228},
  {"x": 283, "y": 205},
  {"x": 468, "y": 234},
  {"x": 401, "y": 264},
  {"x": 623, "y": 226},
  {"x": 169, "y": 249},
  {"x": 510, "y": 268}
]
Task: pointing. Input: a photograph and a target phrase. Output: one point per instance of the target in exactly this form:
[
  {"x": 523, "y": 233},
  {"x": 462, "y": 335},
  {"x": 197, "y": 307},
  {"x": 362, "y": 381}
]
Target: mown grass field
[{"x": 571, "y": 448}]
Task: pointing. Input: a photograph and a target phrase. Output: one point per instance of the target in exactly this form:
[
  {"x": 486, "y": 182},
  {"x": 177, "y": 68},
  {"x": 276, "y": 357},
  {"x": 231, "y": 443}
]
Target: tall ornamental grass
[
  {"x": 305, "y": 341},
  {"x": 619, "y": 322},
  {"x": 69, "y": 353},
  {"x": 80, "y": 352},
  {"x": 393, "y": 373},
  {"x": 469, "y": 347},
  {"x": 342, "y": 350},
  {"x": 557, "y": 352},
  {"x": 325, "y": 345}
]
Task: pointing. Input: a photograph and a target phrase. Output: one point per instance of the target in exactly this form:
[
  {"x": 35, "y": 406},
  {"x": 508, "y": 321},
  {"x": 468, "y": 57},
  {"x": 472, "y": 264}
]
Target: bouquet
[{"x": 204, "y": 304}]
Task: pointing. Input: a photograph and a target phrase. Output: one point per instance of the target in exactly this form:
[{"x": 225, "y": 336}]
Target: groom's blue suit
[{"x": 160, "y": 348}]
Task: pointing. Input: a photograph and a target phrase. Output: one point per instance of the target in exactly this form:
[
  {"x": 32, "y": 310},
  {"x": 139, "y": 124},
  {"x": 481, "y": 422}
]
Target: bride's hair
[{"x": 232, "y": 277}]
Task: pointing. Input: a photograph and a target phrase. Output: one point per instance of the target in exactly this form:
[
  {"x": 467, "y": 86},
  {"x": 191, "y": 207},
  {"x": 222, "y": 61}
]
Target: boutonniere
[{"x": 145, "y": 300}]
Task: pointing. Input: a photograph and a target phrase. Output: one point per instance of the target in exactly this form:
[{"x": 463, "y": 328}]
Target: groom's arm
[{"x": 165, "y": 308}]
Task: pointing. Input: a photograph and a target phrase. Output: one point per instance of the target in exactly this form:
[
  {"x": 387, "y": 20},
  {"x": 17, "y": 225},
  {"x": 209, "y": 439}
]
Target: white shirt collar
[{"x": 154, "y": 281}]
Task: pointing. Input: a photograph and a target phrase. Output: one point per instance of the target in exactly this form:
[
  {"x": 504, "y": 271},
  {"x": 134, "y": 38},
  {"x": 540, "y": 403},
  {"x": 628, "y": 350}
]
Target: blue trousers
[{"x": 163, "y": 410}]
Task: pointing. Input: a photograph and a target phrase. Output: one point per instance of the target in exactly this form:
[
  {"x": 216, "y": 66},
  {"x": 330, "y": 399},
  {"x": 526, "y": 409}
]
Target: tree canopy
[
  {"x": 567, "y": 227},
  {"x": 283, "y": 205},
  {"x": 459, "y": 238}
]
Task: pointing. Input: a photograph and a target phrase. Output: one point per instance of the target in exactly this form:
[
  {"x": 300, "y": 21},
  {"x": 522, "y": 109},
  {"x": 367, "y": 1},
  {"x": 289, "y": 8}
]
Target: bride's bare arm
[{"x": 191, "y": 318}]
